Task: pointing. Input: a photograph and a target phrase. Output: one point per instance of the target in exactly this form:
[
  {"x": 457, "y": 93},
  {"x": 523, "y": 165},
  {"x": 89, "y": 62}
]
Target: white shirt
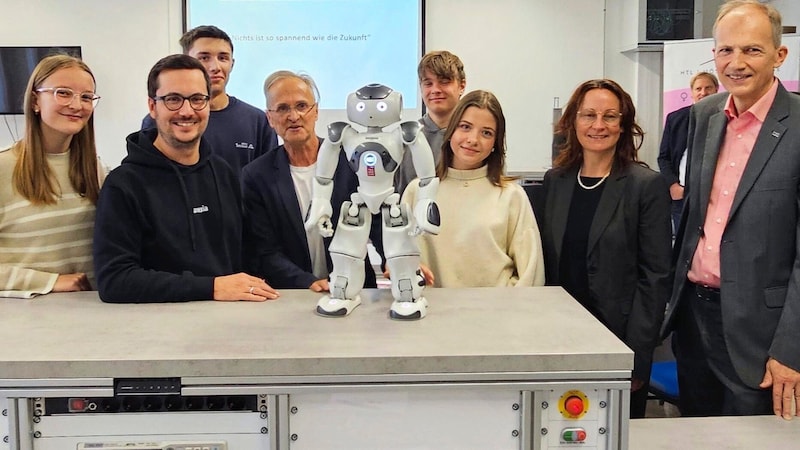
[
  {"x": 303, "y": 178},
  {"x": 682, "y": 169}
]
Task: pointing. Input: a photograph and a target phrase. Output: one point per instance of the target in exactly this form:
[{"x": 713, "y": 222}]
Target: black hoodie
[{"x": 164, "y": 231}]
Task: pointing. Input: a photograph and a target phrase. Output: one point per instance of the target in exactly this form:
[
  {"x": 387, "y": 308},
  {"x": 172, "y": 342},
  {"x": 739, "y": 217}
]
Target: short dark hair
[
  {"x": 174, "y": 62},
  {"x": 203, "y": 31}
]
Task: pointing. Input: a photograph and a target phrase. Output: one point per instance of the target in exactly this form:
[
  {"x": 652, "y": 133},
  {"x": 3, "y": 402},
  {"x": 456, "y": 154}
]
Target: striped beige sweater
[{"x": 37, "y": 243}]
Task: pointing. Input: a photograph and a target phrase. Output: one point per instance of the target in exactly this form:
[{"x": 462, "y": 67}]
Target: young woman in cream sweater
[{"x": 489, "y": 236}]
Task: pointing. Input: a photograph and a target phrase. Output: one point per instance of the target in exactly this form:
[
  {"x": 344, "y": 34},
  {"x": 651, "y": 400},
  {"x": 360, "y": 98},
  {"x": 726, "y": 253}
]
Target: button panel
[{"x": 573, "y": 435}]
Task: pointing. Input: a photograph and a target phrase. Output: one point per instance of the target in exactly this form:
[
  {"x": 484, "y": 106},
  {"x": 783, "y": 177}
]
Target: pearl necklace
[{"x": 594, "y": 185}]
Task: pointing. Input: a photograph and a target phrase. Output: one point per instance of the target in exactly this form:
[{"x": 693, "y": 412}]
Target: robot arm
[
  {"x": 421, "y": 153},
  {"x": 320, "y": 210},
  {"x": 426, "y": 212}
]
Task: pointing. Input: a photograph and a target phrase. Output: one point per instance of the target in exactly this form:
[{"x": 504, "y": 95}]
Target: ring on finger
[{"x": 252, "y": 288}]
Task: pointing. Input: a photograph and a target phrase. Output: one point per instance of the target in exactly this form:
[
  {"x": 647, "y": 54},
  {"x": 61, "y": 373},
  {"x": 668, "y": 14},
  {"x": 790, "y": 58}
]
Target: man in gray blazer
[{"x": 736, "y": 299}]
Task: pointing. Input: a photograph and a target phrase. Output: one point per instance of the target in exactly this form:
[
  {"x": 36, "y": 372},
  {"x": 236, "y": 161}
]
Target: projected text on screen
[{"x": 342, "y": 44}]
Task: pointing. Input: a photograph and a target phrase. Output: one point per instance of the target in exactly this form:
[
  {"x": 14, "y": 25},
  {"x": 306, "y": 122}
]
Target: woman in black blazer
[{"x": 606, "y": 229}]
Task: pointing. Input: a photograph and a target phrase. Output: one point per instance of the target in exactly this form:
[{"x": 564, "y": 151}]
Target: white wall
[
  {"x": 120, "y": 40},
  {"x": 527, "y": 52},
  {"x": 790, "y": 10}
]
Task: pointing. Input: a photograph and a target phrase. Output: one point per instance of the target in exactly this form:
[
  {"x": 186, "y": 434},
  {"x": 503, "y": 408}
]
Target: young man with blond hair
[{"x": 441, "y": 82}]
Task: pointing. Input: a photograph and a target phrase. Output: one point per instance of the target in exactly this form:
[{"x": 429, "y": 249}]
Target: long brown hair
[
  {"x": 32, "y": 176},
  {"x": 496, "y": 161},
  {"x": 630, "y": 140}
]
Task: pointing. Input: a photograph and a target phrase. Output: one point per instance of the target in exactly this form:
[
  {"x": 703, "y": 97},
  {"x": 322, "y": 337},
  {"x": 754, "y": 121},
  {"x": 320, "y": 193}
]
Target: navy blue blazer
[
  {"x": 275, "y": 243},
  {"x": 673, "y": 144}
]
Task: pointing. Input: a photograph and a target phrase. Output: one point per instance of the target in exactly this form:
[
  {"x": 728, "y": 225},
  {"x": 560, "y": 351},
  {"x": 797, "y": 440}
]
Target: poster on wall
[{"x": 683, "y": 59}]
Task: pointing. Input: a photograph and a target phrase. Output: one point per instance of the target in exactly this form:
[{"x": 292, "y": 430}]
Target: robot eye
[
  {"x": 382, "y": 106},
  {"x": 360, "y": 106}
]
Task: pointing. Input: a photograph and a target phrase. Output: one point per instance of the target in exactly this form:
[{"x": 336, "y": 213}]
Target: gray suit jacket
[
  {"x": 759, "y": 257},
  {"x": 628, "y": 257}
]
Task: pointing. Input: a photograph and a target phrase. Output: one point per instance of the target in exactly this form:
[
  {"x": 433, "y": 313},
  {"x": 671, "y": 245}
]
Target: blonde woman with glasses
[
  {"x": 51, "y": 184},
  {"x": 606, "y": 228}
]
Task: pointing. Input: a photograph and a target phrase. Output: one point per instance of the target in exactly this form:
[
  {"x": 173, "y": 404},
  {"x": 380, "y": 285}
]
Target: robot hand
[
  {"x": 426, "y": 212},
  {"x": 319, "y": 215},
  {"x": 426, "y": 218}
]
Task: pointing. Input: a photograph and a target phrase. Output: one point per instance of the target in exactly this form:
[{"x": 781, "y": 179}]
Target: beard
[{"x": 180, "y": 144}]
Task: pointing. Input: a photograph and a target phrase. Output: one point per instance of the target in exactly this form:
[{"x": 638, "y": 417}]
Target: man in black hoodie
[{"x": 169, "y": 224}]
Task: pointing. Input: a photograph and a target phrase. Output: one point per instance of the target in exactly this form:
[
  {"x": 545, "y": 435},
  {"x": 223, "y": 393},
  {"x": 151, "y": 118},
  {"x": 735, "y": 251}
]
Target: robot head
[{"x": 374, "y": 105}]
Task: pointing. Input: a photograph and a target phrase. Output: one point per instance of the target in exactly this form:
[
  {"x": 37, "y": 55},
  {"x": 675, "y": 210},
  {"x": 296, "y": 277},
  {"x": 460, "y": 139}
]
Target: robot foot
[
  {"x": 336, "y": 307},
  {"x": 413, "y": 310}
]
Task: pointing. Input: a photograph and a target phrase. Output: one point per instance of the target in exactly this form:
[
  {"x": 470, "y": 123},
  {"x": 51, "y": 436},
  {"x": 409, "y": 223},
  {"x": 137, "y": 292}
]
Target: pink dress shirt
[{"x": 740, "y": 136}]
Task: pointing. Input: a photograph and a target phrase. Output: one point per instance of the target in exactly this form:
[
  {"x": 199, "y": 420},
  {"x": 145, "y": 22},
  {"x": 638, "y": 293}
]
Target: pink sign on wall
[{"x": 683, "y": 59}]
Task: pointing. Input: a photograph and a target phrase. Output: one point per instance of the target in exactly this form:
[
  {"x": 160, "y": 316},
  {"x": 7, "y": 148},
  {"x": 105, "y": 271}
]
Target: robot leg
[
  {"x": 348, "y": 250},
  {"x": 402, "y": 260}
]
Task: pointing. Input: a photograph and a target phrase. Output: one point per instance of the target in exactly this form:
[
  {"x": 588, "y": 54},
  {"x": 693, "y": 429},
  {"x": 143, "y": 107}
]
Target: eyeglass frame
[
  {"x": 184, "y": 98},
  {"x": 290, "y": 108},
  {"x": 94, "y": 101},
  {"x": 615, "y": 117}
]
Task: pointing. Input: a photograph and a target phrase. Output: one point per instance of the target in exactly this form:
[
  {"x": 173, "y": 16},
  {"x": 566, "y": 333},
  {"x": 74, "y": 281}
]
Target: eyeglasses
[
  {"x": 302, "y": 109},
  {"x": 64, "y": 96},
  {"x": 609, "y": 117},
  {"x": 174, "y": 102}
]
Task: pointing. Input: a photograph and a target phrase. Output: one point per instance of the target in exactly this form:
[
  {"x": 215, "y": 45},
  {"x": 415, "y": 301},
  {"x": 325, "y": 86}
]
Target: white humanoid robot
[{"x": 374, "y": 156}]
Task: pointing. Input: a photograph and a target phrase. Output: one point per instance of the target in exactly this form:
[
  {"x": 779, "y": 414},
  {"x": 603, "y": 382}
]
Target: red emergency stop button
[{"x": 574, "y": 405}]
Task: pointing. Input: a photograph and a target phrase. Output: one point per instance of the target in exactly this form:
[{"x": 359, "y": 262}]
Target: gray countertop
[
  {"x": 718, "y": 433},
  {"x": 484, "y": 330}
]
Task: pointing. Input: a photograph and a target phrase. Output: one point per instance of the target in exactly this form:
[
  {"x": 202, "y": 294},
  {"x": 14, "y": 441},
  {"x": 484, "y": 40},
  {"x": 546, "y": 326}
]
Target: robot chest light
[{"x": 372, "y": 155}]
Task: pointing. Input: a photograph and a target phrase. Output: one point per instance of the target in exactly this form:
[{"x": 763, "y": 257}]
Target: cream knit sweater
[
  {"x": 488, "y": 238},
  {"x": 37, "y": 243}
]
